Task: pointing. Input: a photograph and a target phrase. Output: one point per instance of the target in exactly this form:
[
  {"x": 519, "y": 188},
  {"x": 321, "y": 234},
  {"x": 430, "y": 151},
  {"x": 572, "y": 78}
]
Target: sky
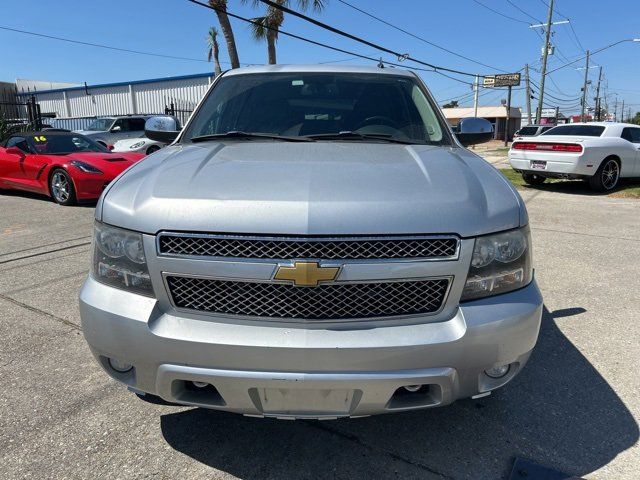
[{"x": 466, "y": 27}]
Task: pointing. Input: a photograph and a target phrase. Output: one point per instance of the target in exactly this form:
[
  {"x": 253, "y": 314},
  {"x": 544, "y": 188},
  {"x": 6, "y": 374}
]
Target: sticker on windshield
[{"x": 40, "y": 138}]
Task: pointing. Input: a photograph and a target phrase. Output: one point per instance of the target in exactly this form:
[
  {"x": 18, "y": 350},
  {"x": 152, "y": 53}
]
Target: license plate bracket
[{"x": 538, "y": 165}]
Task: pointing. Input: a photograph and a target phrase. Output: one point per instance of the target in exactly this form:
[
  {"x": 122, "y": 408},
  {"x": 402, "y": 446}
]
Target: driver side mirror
[
  {"x": 473, "y": 130},
  {"x": 16, "y": 151},
  {"x": 163, "y": 129},
  {"x": 117, "y": 128}
]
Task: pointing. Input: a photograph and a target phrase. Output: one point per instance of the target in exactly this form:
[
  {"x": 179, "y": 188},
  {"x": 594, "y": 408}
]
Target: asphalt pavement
[{"x": 575, "y": 407}]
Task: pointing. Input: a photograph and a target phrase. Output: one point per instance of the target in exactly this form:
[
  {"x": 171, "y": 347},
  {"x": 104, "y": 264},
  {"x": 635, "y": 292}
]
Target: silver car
[
  {"x": 108, "y": 130},
  {"x": 315, "y": 243}
]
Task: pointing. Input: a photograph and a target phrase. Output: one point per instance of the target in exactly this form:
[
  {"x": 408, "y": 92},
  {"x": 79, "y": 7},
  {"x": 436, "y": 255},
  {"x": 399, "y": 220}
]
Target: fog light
[
  {"x": 412, "y": 388},
  {"x": 118, "y": 366},
  {"x": 200, "y": 384},
  {"x": 498, "y": 371}
]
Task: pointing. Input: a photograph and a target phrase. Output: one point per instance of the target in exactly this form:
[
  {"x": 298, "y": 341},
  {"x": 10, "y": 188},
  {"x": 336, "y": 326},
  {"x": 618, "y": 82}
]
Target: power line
[
  {"x": 500, "y": 13},
  {"x": 418, "y": 37},
  {"x": 324, "y": 45},
  {"x": 99, "y": 45},
  {"x": 517, "y": 7},
  {"x": 399, "y": 55}
]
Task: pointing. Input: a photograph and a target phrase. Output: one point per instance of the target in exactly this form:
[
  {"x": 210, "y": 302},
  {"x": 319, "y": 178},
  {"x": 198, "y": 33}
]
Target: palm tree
[
  {"x": 227, "y": 31},
  {"x": 214, "y": 50},
  {"x": 266, "y": 27}
]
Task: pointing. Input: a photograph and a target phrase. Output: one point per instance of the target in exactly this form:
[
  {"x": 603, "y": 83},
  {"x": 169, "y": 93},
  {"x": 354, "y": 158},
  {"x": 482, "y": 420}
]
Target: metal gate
[
  {"x": 180, "y": 109},
  {"x": 18, "y": 114}
]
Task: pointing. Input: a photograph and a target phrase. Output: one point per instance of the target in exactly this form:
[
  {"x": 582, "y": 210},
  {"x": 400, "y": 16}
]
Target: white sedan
[
  {"x": 139, "y": 145},
  {"x": 600, "y": 153}
]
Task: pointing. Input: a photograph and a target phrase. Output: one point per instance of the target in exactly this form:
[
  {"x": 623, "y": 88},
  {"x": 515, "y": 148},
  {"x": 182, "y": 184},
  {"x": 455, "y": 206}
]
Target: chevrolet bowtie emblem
[{"x": 306, "y": 274}]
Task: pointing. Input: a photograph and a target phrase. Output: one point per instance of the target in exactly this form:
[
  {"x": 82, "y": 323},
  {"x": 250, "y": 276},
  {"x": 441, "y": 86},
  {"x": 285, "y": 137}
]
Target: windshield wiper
[
  {"x": 349, "y": 135},
  {"x": 248, "y": 135}
]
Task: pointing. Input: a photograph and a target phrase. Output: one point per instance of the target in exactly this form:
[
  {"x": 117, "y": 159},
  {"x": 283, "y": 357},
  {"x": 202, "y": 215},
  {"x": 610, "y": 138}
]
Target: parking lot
[{"x": 575, "y": 407}]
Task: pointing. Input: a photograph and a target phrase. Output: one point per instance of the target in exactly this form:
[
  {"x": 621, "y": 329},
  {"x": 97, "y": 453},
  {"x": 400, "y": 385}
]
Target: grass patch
[{"x": 626, "y": 188}]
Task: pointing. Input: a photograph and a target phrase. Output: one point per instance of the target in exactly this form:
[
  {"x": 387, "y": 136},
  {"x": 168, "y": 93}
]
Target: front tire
[
  {"x": 533, "y": 179},
  {"x": 61, "y": 187},
  {"x": 607, "y": 176}
]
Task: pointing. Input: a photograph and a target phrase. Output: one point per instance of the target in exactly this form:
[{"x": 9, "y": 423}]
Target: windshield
[
  {"x": 309, "y": 104},
  {"x": 576, "y": 130},
  {"x": 61, "y": 144},
  {"x": 528, "y": 131},
  {"x": 100, "y": 125}
]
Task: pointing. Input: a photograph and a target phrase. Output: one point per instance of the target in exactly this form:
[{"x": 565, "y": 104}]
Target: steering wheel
[{"x": 378, "y": 120}]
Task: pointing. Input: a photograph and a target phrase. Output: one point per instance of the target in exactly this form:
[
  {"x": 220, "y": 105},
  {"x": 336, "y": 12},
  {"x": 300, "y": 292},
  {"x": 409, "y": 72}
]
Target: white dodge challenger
[{"x": 600, "y": 153}]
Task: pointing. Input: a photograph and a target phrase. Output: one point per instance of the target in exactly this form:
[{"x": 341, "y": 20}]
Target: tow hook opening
[
  {"x": 196, "y": 392},
  {"x": 415, "y": 396}
]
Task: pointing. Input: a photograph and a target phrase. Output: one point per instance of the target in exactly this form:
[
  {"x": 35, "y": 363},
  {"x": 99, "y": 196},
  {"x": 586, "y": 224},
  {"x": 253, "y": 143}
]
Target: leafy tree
[
  {"x": 227, "y": 31},
  {"x": 213, "y": 50},
  {"x": 266, "y": 27}
]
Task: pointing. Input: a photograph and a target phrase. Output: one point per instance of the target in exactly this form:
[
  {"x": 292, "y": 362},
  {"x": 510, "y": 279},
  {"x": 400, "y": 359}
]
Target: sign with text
[{"x": 501, "y": 80}]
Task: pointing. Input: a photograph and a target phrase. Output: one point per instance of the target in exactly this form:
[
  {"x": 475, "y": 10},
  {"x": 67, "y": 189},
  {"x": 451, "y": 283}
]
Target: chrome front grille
[
  {"x": 287, "y": 248},
  {"x": 326, "y": 302}
]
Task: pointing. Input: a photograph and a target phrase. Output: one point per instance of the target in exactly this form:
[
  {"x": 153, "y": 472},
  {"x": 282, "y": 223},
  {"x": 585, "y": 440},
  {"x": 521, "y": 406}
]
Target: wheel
[
  {"x": 61, "y": 187},
  {"x": 607, "y": 176},
  {"x": 533, "y": 179},
  {"x": 152, "y": 148}
]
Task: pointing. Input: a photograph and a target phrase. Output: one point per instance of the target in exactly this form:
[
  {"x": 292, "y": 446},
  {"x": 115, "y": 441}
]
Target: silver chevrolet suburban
[{"x": 315, "y": 243}]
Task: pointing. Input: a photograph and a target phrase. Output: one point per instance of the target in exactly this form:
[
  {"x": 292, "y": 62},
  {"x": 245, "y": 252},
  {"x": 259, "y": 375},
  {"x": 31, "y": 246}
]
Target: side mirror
[
  {"x": 162, "y": 129},
  {"x": 16, "y": 151},
  {"x": 110, "y": 147},
  {"x": 117, "y": 128},
  {"x": 473, "y": 130}
]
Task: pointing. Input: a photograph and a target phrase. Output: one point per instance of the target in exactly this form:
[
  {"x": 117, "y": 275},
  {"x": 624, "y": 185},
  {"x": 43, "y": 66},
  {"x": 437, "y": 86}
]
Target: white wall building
[{"x": 126, "y": 98}]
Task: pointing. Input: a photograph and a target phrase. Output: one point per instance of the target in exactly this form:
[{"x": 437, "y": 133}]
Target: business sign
[{"x": 501, "y": 80}]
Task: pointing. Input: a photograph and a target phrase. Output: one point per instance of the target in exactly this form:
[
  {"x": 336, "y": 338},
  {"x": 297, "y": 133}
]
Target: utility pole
[
  {"x": 506, "y": 127},
  {"x": 584, "y": 90},
  {"x": 622, "y": 112},
  {"x": 528, "y": 92},
  {"x": 545, "y": 54},
  {"x": 598, "y": 109},
  {"x": 615, "y": 111},
  {"x": 475, "y": 95}
]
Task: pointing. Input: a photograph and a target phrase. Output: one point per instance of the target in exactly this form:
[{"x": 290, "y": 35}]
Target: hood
[
  {"x": 111, "y": 164},
  {"x": 89, "y": 133},
  {"x": 321, "y": 188}
]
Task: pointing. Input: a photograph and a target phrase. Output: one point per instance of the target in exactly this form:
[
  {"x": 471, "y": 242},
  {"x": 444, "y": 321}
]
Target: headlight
[
  {"x": 500, "y": 263},
  {"x": 119, "y": 261},
  {"x": 136, "y": 145},
  {"x": 85, "y": 167}
]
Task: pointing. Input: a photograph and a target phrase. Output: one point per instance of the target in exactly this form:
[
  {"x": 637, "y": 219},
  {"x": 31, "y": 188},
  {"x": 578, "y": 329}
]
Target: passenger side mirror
[
  {"x": 16, "y": 151},
  {"x": 117, "y": 128},
  {"x": 163, "y": 129},
  {"x": 473, "y": 130}
]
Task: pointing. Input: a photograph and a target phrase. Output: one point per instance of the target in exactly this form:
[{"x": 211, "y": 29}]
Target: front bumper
[{"x": 282, "y": 371}]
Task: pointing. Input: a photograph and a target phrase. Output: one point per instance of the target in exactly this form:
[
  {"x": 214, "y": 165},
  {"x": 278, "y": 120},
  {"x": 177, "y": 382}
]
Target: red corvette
[{"x": 66, "y": 166}]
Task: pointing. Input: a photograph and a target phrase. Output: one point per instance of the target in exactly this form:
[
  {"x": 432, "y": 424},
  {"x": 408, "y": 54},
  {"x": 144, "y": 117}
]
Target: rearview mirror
[
  {"x": 163, "y": 129},
  {"x": 15, "y": 151},
  {"x": 473, "y": 130}
]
